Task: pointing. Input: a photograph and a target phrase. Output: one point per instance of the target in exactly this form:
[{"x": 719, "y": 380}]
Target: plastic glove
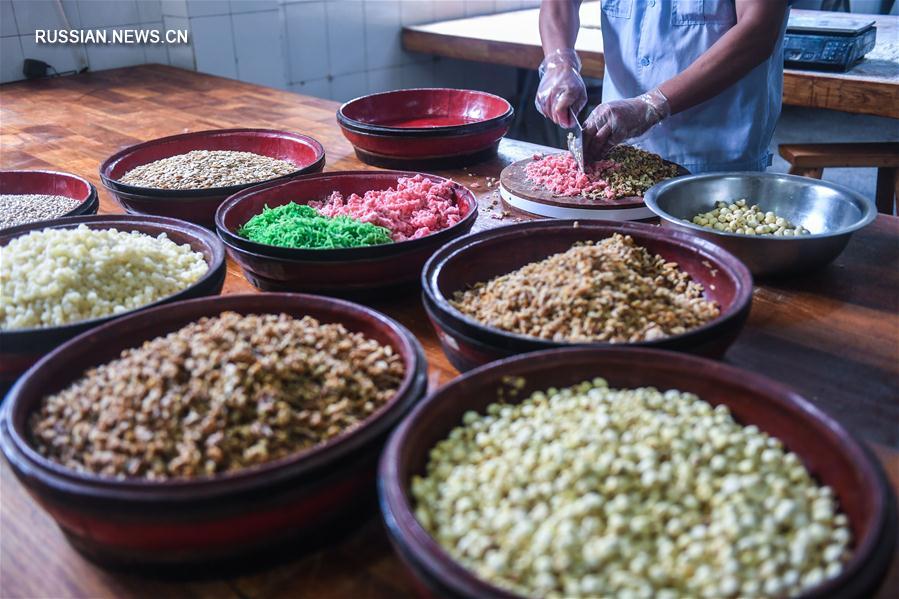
[
  {"x": 561, "y": 87},
  {"x": 619, "y": 120}
]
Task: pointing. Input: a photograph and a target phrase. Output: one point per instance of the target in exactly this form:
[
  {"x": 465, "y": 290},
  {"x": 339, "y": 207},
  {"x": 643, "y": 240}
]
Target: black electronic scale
[{"x": 820, "y": 42}]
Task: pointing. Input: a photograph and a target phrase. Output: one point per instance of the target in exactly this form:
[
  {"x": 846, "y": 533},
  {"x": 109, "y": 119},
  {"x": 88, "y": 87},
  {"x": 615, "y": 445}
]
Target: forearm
[
  {"x": 561, "y": 94},
  {"x": 745, "y": 46},
  {"x": 559, "y": 24}
]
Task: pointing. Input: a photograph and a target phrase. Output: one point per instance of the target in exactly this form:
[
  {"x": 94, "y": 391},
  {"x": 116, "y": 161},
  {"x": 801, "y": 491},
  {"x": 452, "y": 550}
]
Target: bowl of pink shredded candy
[
  {"x": 420, "y": 212},
  {"x": 625, "y": 172},
  {"x": 414, "y": 208}
]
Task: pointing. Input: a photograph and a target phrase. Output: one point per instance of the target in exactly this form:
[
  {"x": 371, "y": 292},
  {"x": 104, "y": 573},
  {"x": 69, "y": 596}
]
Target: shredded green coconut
[{"x": 298, "y": 226}]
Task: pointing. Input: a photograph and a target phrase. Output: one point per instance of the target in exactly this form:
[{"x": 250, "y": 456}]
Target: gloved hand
[
  {"x": 619, "y": 120},
  {"x": 561, "y": 87}
]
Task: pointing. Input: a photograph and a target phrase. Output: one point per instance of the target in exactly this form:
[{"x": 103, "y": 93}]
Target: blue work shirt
[{"x": 647, "y": 42}]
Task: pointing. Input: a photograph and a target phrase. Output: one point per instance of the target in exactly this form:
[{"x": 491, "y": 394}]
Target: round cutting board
[{"x": 517, "y": 191}]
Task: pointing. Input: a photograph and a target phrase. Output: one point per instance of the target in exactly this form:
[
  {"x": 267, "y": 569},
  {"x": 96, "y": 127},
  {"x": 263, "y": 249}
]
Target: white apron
[{"x": 649, "y": 41}]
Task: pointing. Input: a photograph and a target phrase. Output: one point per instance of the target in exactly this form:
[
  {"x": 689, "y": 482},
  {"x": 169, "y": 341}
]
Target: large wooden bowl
[
  {"x": 832, "y": 454},
  {"x": 430, "y": 127},
  {"x": 52, "y": 183},
  {"x": 482, "y": 256},
  {"x": 184, "y": 521},
  {"x": 20, "y": 348},
  {"x": 353, "y": 272},
  {"x": 199, "y": 205}
]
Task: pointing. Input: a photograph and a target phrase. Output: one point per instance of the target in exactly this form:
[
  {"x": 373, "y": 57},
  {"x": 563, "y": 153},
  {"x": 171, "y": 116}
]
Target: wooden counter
[
  {"x": 833, "y": 335},
  {"x": 513, "y": 39}
]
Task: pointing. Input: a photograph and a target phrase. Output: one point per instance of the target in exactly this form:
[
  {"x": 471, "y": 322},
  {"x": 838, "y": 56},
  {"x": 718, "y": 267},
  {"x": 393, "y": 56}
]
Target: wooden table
[
  {"x": 513, "y": 39},
  {"x": 833, "y": 335}
]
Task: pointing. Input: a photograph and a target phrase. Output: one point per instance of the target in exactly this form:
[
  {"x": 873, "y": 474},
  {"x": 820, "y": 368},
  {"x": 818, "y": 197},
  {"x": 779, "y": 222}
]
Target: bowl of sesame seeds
[
  {"x": 28, "y": 196},
  {"x": 187, "y": 176},
  {"x": 584, "y": 473},
  {"x": 211, "y": 428},
  {"x": 556, "y": 283}
]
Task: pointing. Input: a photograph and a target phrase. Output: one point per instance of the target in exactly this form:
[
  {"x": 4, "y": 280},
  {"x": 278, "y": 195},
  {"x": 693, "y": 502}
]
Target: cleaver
[{"x": 576, "y": 141}]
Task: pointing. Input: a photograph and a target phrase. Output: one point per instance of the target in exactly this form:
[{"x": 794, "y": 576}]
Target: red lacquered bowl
[
  {"x": 362, "y": 271},
  {"x": 20, "y": 348},
  {"x": 420, "y": 128},
  {"x": 832, "y": 454},
  {"x": 482, "y": 256},
  {"x": 52, "y": 183},
  {"x": 199, "y": 205},
  {"x": 185, "y": 521}
]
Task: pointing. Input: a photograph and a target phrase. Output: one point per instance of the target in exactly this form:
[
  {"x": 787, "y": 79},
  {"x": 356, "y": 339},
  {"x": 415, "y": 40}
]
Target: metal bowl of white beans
[{"x": 830, "y": 213}]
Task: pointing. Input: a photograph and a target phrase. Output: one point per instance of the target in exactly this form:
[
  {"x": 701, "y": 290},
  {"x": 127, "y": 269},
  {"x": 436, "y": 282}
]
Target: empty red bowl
[
  {"x": 344, "y": 272},
  {"x": 829, "y": 451},
  {"x": 199, "y": 205},
  {"x": 482, "y": 256},
  {"x": 20, "y": 348},
  {"x": 418, "y": 128},
  {"x": 184, "y": 521},
  {"x": 52, "y": 183}
]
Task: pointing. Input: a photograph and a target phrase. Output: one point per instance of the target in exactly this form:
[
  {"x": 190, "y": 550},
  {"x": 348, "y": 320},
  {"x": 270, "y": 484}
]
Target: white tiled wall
[
  {"x": 328, "y": 48},
  {"x": 19, "y": 19},
  {"x": 259, "y": 46},
  {"x": 213, "y": 42},
  {"x": 344, "y": 48}
]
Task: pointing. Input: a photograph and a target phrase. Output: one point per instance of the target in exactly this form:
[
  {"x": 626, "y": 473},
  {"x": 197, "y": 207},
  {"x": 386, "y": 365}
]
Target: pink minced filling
[
  {"x": 560, "y": 174},
  {"x": 417, "y": 207}
]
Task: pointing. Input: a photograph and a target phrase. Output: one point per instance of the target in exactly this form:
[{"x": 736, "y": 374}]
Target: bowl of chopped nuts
[
  {"x": 347, "y": 233},
  {"x": 776, "y": 224},
  {"x": 66, "y": 276},
  {"x": 187, "y": 176},
  {"x": 555, "y": 283},
  {"x": 585, "y": 472},
  {"x": 31, "y": 196},
  {"x": 241, "y": 423}
]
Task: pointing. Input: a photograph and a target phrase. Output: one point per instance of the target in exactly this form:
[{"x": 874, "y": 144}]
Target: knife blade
[{"x": 576, "y": 141}]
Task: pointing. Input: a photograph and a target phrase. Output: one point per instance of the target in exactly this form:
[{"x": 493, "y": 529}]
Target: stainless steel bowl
[{"x": 830, "y": 212}]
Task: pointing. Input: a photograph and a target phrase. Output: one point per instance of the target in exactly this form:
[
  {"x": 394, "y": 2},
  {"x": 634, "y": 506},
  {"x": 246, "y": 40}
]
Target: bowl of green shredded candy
[
  {"x": 299, "y": 226},
  {"x": 350, "y": 233}
]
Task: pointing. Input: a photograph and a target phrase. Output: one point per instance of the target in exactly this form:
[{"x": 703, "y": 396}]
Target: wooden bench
[{"x": 809, "y": 160}]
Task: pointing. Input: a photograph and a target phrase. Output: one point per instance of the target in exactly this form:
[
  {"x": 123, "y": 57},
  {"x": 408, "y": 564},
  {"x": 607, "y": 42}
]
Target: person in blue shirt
[{"x": 699, "y": 82}]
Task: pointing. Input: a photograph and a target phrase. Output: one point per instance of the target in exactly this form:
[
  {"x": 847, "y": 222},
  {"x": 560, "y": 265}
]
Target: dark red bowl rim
[
  {"x": 88, "y": 202},
  {"x": 145, "y": 192},
  {"x": 720, "y": 258},
  {"x": 20, "y": 452},
  {"x": 503, "y": 125},
  {"x": 88, "y": 207},
  {"x": 118, "y": 221},
  {"x": 362, "y": 127},
  {"x": 369, "y": 252},
  {"x": 403, "y": 526},
  {"x": 240, "y": 252}
]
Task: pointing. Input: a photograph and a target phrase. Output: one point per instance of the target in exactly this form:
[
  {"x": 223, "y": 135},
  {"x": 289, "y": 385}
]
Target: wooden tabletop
[
  {"x": 833, "y": 335},
  {"x": 513, "y": 39}
]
